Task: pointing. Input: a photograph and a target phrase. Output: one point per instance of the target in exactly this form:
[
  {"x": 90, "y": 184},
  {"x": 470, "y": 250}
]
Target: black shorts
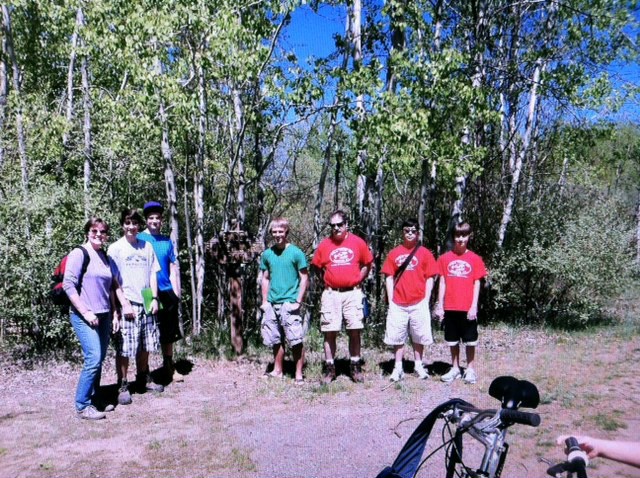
[
  {"x": 168, "y": 319},
  {"x": 457, "y": 327}
]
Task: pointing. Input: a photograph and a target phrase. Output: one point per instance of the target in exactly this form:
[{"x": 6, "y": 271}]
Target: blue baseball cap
[{"x": 151, "y": 207}]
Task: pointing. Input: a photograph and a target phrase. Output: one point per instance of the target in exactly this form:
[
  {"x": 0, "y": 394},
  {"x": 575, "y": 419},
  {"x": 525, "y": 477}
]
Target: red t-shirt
[
  {"x": 460, "y": 272},
  {"x": 412, "y": 286},
  {"x": 342, "y": 261}
]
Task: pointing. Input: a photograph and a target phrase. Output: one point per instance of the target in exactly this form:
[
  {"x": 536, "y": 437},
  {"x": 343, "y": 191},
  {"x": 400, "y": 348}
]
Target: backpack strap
[{"x": 85, "y": 264}]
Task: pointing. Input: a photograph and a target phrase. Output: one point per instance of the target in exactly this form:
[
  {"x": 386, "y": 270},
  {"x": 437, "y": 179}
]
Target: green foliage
[{"x": 564, "y": 264}]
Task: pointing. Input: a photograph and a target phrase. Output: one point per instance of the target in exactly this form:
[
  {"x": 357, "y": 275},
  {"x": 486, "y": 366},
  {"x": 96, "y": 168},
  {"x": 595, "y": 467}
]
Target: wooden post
[{"x": 235, "y": 301}]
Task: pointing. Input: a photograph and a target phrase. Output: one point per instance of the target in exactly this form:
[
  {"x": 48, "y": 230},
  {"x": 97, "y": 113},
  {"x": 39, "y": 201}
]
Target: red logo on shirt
[
  {"x": 403, "y": 257},
  {"x": 459, "y": 268},
  {"x": 341, "y": 256}
]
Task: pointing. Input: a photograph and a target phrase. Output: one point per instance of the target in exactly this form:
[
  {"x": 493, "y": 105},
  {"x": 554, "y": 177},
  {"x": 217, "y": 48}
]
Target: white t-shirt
[{"x": 132, "y": 265}]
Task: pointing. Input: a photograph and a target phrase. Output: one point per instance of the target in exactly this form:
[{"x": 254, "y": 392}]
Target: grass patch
[
  {"x": 240, "y": 461},
  {"x": 608, "y": 422}
]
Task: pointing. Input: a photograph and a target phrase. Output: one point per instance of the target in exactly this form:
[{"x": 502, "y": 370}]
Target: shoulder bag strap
[{"x": 400, "y": 271}]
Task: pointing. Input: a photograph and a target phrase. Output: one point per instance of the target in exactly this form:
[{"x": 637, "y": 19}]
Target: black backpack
[{"x": 57, "y": 294}]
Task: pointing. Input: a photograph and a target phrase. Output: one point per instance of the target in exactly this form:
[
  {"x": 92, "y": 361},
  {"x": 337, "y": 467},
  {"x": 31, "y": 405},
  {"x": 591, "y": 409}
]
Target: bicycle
[{"x": 461, "y": 419}]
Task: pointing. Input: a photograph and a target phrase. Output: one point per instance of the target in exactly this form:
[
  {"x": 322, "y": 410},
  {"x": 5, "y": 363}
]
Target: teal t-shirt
[{"x": 284, "y": 268}]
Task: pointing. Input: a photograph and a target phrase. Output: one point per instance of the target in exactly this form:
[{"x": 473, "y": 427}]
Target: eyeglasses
[
  {"x": 336, "y": 225},
  {"x": 129, "y": 222},
  {"x": 409, "y": 230},
  {"x": 95, "y": 232}
]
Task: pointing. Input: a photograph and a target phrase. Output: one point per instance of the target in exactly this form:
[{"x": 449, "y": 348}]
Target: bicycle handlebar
[
  {"x": 517, "y": 416},
  {"x": 577, "y": 460},
  {"x": 507, "y": 415}
]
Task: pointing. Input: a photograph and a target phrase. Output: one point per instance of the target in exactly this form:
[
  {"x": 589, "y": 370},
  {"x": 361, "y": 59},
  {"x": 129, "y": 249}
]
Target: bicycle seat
[{"x": 514, "y": 393}]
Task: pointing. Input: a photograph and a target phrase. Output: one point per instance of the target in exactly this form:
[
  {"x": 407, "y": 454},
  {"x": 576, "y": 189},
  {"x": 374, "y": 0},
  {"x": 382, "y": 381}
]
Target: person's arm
[
  {"x": 389, "y": 284},
  {"x": 439, "y": 310},
  {"x": 473, "y": 310},
  {"x": 115, "y": 312},
  {"x": 125, "y": 305},
  {"x": 429, "y": 288},
  {"x": 153, "y": 285},
  {"x": 174, "y": 277},
  {"x": 70, "y": 284},
  {"x": 265, "y": 285},
  {"x": 304, "y": 283},
  {"x": 364, "y": 272},
  {"x": 622, "y": 451}
]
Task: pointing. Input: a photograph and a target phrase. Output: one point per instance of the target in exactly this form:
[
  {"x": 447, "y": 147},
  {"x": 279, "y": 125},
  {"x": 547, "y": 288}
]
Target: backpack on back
[{"x": 57, "y": 294}]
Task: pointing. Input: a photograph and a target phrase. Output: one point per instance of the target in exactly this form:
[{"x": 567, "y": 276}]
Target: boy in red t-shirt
[
  {"x": 460, "y": 274},
  {"x": 409, "y": 270}
]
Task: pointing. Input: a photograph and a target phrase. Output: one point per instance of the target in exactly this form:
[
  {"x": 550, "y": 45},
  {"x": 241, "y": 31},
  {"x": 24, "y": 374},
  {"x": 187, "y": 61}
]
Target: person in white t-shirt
[{"x": 135, "y": 265}]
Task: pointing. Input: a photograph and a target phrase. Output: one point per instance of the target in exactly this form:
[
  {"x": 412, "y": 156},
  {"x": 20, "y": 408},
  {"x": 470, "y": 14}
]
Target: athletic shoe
[
  {"x": 356, "y": 371},
  {"x": 144, "y": 383},
  {"x": 421, "y": 372},
  {"x": 329, "y": 373},
  {"x": 124, "y": 396},
  {"x": 103, "y": 406},
  {"x": 470, "y": 376},
  {"x": 397, "y": 374},
  {"x": 451, "y": 375},
  {"x": 90, "y": 413}
]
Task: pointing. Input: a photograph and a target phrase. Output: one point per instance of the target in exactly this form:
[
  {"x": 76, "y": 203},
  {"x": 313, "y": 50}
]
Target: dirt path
[{"x": 226, "y": 420}]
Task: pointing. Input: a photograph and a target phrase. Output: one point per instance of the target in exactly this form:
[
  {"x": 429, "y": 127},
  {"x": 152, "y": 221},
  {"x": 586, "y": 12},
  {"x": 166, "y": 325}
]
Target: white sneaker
[
  {"x": 421, "y": 372},
  {"x": 451, "y": 375},
  {"x": 469, "y": 376},
  {"x": 397, "y": 374}
]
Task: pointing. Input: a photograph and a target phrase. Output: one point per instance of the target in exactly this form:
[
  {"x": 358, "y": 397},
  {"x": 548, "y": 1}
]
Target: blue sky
[{"x": 310, "y": 34}]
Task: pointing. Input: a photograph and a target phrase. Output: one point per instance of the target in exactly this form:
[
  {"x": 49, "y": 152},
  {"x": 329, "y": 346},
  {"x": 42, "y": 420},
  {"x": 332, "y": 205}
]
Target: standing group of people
[
  {"x": 130, "y": 292},
  {"x": 344, "y": 261}
]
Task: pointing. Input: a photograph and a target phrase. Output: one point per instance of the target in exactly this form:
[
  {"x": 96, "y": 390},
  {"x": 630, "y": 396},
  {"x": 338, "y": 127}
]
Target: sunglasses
[
  {"x": 128, "y": 222},
  {"x": 103, "y": 232},
  {"x": 336, "y": 225},
  {"x": 410, "y": 230}
]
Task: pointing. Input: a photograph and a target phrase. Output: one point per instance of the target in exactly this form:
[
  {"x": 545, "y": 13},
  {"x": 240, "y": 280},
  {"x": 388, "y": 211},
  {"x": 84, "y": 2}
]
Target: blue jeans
[{"x": 94, "y": 342}]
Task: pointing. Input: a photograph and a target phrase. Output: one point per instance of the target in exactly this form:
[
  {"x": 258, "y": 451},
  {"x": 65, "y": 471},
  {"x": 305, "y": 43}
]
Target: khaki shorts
[
  {"x": 282, "y": 322},
  {"x": 334, "y": 306},
  {"x": 403, "y": 320}
]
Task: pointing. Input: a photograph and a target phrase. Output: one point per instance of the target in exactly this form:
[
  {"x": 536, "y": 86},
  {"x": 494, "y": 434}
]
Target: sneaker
[
  {"x": 356, "y": 371},
  {"x": 470, "y": 376},
  {"x": 421, "y": 372},
  {"x": 329, "y": 373},
  {"x": 397, "y": 374},
  {"x": 177, "y": 376},
  {"x": 451, "y": 375},
  {"x": 124, "y": 396},
  {"x": 90, "y": 413},
  {"x": 145, "y": 383},
  {"x": 103, "y": 406}
]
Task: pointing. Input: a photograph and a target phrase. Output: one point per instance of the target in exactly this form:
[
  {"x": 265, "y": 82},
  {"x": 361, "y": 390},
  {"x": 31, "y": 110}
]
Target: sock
[
  {"x": 419, "y": 364},
  {"x": 330, "y": 362},
  {"x": 355, "y": 358},
  {"x": 398, "y": 365}
]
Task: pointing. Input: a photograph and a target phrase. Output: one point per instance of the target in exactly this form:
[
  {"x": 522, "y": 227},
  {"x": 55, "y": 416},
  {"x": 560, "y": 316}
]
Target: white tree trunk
[
  {"x": 70, "y": 70},
  {"x": 199, "y": 190},
  {"x": 86, "y": 106},
  {"x": 17, "y": 86},
  {"x": 4, "y": 92},
  {"x": 524, "y": 149}
]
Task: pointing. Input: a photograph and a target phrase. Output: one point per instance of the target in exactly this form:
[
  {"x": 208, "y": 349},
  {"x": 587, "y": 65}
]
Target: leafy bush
[{"x": 564, "y": 264}]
